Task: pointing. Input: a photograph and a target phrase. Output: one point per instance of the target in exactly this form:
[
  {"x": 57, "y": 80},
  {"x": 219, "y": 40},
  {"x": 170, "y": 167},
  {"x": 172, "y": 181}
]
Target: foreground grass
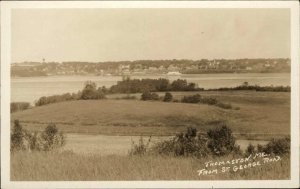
[{"x": 67, "y": 166}]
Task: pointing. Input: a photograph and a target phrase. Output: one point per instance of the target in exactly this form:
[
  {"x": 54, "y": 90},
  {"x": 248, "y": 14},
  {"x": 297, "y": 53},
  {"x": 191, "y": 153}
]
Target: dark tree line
[{"x": 153, "y": 85}]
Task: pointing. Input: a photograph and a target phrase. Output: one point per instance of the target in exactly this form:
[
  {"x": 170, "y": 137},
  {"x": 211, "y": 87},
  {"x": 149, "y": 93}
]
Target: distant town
[{"x": 144, "y": 67}]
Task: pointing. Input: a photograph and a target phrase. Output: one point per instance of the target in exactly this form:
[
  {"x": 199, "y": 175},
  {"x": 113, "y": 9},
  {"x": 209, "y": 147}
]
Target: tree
[
  {"x": 221, "y": 140},
  {"x": 90, "y": 91},
  {"x": 17, "y": 136},
  {"x": 168, "y": 97},
  {"x": 179, "y": 85},
  {"x": 52, "y": 138}
]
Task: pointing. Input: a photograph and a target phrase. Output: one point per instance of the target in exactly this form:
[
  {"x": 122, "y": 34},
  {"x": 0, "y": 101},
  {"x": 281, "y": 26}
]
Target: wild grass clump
[
  {"x": 141, "y": 148},
  {"x": 49, "y": 139}
]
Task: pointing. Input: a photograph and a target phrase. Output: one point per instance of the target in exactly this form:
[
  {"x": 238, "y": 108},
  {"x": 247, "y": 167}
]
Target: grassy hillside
[{"x": 261, "y": 113}]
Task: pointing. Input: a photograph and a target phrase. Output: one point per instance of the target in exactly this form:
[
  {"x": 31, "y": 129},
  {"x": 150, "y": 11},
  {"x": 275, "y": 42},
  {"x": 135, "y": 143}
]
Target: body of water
[{"x": 29, "y": 89}]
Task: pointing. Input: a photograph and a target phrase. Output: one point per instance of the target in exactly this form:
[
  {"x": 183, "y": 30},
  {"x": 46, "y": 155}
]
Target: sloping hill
[{"x": 134, "y": 117}]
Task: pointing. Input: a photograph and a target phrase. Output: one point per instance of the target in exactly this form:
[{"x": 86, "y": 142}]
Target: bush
[
  {"x": 278, "y": 146},
  {"x": 52, "y": 138},
  {"x": 250, "y": 149},
  {"x": 47, "y": 140},
  {"x": 183, "y": 144},
  {"x": 168, "y": 97},
  {"x": 149, "y": 96},
  {"x": 191, "y": 99},
  {"x": 16, "y": 138},
  {"x": 208, "y": 100},
  {"x": 18, "y": 106},
  {"x": 221, "y": 141}
]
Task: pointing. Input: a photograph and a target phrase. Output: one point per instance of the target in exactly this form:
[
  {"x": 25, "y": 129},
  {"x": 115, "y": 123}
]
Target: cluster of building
[{"x": 153, "y": 67}]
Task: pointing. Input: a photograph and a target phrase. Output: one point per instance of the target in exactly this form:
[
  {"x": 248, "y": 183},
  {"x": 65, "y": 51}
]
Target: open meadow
[
  {"x": 99, "y": 135},
  {"x": 255, "y": 115}
]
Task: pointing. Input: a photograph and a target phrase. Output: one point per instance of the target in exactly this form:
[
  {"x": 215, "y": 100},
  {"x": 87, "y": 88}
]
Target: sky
[{"x": 97, "y": 35}]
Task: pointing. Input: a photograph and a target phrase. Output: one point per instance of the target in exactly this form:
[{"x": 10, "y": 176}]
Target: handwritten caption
[{"x": 238, "y": 164}]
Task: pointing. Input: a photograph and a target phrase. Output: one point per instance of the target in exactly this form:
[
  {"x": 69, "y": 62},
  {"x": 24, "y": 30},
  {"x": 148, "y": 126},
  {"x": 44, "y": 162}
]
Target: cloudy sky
[{"x": 134, "y": 34}]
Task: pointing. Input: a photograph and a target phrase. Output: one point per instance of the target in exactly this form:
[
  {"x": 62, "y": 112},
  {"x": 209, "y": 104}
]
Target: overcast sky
[{"x": 134, "y": 34}]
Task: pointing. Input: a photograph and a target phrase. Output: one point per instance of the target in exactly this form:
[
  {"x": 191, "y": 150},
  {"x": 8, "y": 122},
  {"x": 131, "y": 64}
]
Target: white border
[{"x": 5, "y": 94}]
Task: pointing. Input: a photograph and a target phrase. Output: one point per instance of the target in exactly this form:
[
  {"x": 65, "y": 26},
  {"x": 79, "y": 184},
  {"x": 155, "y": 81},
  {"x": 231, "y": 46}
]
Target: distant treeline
[
  {"x": 127, "y": 85},
  {"x": 155, "y": 85},
  {"x": 89, "y": 92},
  {"x": 246, "y": 86}
]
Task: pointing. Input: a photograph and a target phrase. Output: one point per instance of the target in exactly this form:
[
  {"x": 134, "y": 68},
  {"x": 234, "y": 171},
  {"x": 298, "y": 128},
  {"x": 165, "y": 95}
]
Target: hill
[{"x": 260, "y": 116}]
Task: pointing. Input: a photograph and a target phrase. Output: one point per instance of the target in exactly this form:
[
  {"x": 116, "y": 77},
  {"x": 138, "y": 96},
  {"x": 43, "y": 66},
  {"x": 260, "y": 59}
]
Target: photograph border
[{"x": 6, "y": 8}]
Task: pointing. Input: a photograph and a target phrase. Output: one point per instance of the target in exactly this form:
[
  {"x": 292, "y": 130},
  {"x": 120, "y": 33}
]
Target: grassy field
[
  {"x": 68, "y": 166},
  {"x": 262, "y": 115}
]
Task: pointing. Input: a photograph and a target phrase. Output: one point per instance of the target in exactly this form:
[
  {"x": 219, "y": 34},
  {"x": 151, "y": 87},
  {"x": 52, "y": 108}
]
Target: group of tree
[
  {"x": 47, "y": 140},
  {"x": 195, "y": 99},
  {"x": 247, "y": 86},
  {"x": 89, "y": 92},
  {"x": 154, "y": 85},
  {"x": 218, "y": 141}
]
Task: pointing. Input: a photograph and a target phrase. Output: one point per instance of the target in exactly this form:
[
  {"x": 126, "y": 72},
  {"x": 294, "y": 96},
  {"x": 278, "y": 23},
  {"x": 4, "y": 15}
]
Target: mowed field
[{"x": 261, "y": 115}]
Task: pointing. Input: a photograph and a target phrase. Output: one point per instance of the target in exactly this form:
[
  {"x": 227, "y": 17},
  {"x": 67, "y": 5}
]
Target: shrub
[
  {"x": 149, "y": 96},
  {"x": 278, "y": 146},
  {"x": 183, "y": 144},
  {"x": 191, "y": 99},
  {"x": 16, "y": 137},
  {"x": 18, "y": 106},
  {"x": 47, "y": 140},
  {"x": 208, "y": 100},
  {"x": 168, "y": 97},
  {"x": 221, "y": 141},
  {"x": 52, "y": 138},
  {"x": 250, "y": 149}
]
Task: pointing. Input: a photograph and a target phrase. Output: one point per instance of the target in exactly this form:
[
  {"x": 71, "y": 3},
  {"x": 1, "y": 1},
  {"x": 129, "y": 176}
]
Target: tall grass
[{"x": 67, "y": 166}]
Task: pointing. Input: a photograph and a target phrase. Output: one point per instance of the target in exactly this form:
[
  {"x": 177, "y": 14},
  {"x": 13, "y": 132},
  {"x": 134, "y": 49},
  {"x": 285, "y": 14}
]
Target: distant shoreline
[{"x": 184, "y": 74}]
